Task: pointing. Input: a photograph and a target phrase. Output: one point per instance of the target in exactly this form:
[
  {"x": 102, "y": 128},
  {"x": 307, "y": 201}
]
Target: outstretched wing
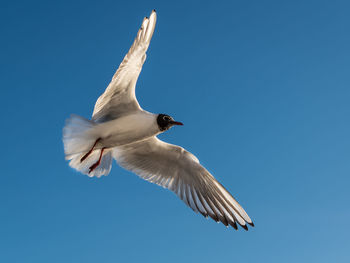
[
  {"x": 178, "y": 170},
  {"x": 119, "y": 97}
]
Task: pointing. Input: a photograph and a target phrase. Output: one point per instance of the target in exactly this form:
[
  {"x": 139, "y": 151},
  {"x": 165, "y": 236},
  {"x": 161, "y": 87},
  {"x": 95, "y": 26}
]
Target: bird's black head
[{"x": 165, "y": 122}]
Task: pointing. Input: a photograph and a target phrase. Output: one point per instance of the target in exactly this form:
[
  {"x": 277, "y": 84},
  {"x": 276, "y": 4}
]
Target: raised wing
[
  {"x": 178, "y": 170},
  {"x": 119, "y": 97}
]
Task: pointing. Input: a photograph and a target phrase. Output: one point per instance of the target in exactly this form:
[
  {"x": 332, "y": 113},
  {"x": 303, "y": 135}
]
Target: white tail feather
[
  {"x": 78, "y": 138},
  {"x": 84, "y": 167}
]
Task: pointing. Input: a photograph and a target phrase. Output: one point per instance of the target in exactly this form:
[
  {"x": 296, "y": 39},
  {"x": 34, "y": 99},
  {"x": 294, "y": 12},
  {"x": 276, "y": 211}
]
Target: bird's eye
[{"x": 166, "y": 118}]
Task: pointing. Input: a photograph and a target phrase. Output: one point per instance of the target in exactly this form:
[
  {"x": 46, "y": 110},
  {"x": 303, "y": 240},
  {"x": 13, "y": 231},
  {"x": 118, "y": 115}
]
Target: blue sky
[{"x": 263, "y": 90}]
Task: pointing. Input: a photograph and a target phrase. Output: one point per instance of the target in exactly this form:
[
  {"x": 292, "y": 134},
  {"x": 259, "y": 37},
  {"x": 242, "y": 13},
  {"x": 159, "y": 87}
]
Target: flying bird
[{"x": 121, "y": 129}]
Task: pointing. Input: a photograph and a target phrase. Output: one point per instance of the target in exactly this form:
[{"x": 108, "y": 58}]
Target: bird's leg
[
  {"x": 93, "y": 167},
  {"x": 89, "y": 152}
]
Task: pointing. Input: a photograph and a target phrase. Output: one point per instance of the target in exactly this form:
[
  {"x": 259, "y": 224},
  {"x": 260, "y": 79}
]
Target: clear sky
[{"x": 263, "y": 88}]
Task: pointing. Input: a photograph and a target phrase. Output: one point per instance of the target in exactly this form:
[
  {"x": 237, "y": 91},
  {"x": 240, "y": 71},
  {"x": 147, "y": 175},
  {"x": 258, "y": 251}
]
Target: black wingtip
[
  {"x": 154, "y": 11},
  {"x": 234, "y": 225},
  {"x": 252, "y": 224},
  {"x": 225, "y": 222},
  {"x": 245, "y": 227}
]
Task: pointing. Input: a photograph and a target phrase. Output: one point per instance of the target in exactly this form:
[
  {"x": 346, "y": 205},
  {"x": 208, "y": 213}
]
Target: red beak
[{"x": 176, "y": 123}]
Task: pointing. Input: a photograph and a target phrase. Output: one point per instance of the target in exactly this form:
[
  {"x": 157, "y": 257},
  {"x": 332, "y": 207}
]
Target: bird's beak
[{"x": 176, "y": 123}]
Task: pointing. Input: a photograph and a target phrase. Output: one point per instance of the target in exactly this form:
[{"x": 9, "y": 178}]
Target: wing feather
[
  {"x": 119, "y": 97},
  {"x": 178, "y": 170}
]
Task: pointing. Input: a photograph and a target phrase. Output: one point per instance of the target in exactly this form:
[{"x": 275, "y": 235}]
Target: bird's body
[
  {"x": 126, "y": 129},
  {"x": 122, "y": 130}
]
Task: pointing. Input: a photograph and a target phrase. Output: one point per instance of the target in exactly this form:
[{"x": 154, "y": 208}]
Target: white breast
[{"x": 127, "y": 129}]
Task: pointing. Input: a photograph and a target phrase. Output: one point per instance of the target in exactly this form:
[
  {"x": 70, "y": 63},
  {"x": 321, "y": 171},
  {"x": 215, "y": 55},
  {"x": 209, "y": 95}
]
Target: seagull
[{"x": 121, "y": 129}]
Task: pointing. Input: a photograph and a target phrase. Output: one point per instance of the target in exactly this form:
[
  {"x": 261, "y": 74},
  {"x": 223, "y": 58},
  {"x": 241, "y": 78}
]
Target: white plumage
[{"x": 122, "y": 130}]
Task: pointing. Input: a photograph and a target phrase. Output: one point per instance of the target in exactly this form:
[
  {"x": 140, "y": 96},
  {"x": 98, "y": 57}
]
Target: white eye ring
[{"x": 166, "y": 118}]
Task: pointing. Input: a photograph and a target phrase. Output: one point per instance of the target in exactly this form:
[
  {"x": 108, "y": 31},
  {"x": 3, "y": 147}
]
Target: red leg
[
  {"x": 93, "y": 167},
  {"x": 89, "y": 152}
]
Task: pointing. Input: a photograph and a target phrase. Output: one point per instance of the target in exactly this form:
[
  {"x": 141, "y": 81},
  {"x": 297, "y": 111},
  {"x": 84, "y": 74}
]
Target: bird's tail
[{"x": 79, "y": 137}]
